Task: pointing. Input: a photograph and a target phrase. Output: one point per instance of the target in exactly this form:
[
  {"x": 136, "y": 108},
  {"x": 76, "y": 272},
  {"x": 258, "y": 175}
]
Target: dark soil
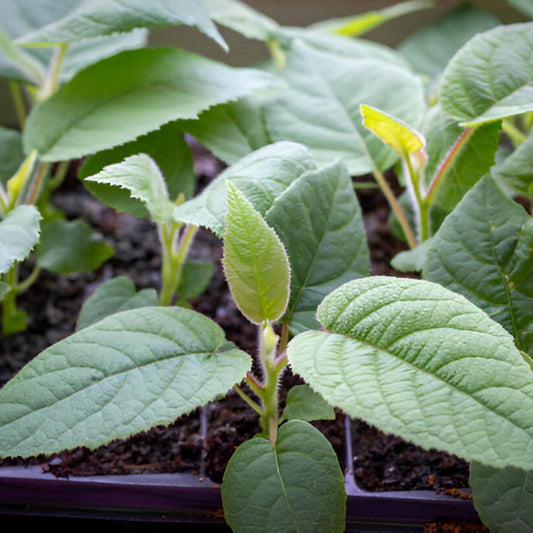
[{"x": 205, "y": 439}]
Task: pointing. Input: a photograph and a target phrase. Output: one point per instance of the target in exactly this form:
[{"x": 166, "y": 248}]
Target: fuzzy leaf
[
  {"x": 106, "y": 17},
  {"x": 261, "y": 177},
  {"x": 67, "y": 247},
  {"x": 295, "y": 486},
  {"x": 255, "y": 262},
  {"x": 170, "y": 84},
  {"x": 129, "y": 372},
  {"x": 491, "y": 264},
  {"x": 329, "y": 247},
  {"x": 140, "y": 175},
  {"x": 502, "y": 497},
  {"x": 19, "y": 233},
  {"x": 422, "y": 362},
  {"x": 491, "y": 77},
  {"x": 117, "y": 294},
  {"x": 321, "y": 108}
]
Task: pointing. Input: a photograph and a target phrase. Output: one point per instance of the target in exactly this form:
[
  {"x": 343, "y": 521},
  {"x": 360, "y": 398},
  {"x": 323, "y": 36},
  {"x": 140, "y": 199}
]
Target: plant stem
[
  {"x": 37, "y": 183},
  {"x": 254, "y": 405},
  {"x": 51, "y": 83},
  {"x": 422, "y": 205},
  {"x": 514, "y": 134},
  {"x": 18, "y": 101}
]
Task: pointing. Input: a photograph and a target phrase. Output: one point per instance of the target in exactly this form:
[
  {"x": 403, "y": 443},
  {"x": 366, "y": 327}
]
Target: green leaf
[
  {"x": 105, "y": 17},
  {"x": 295, "y": 486},
  {"x": 422, "y": 362},
  {"x": 140, "y": 175},
  {"x": 195, "y": 277},
  {"x": 19, "y": 233},
  {"x": 329, "y": 247},
  {"x": 255, "y": 262},
  {"x": 67, "y": 247},
  {"x": 502, "y": 497},
  {"x": 522, "y": 5},
  {"x": 321, "y": 108},
  {"x": 129, "y": 372},
  {"x": 303, "y": 403},
  {"x": 492, "y": 263},
  {"x": 4, "y": 289},
  {"x": 430, "y": 49},
  {"x": 491, "y": 77},
  {"x": 261, "y": 177},
  {"x": 117, "y": 294},
  {"x": 11, "y": 154},
  {"x": 170, "y": 84}
]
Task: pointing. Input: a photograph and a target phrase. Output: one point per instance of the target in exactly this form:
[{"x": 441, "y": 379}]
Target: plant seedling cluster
[{"x": 441, "y": 358}]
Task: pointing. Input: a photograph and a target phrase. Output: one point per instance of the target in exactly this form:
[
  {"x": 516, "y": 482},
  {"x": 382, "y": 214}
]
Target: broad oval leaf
[
  {"x": 422, "y": 362},
  {"x": 491, "y": 77},
  {"x": 491, "y": 264},
  {"x": 260, "y": 176},
  {"x": 329, "y": 247},
  {"x": 296, "y": 486},
  {"x": 86, "y": 115},
  {"x": 255, "y": 262},
  {"x": 19, "y": 233},
  {"x": 124, "y": 374},
  {"x": 106, "y": 17},
  {"x": 140, "y": 175}
]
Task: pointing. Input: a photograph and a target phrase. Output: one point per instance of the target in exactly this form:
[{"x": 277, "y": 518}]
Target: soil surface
[{"x": 205, "y": 439}]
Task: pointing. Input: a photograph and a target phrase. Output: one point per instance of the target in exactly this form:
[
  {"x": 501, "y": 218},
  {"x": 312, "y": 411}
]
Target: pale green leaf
[
  {"x": 503, "y": 497},
  {"x": 525, "y": 6},
  {"x": 329, "y": 246},
  {"x": 321, "y": 108},
  {"x": 491, "y": 77},
  {"x": 261, "y": 177},
  {"x": 491, "y": 263},
  {"x": 255, "y": 262},
  {"x": 129, "y": 372},
  {"x": 117, "y": 294},
  {"x": 296, "y": 486},
  {"x": 303, "y": 403},
  {"x": 170, "y": 84},
  {"x": 71, "y": 246},
  {"x": 140, "y": 175},
  {"x": 105, "y": 17},
  {"x": 19, "y": 233},
  {"x": 422, "y": 362}
]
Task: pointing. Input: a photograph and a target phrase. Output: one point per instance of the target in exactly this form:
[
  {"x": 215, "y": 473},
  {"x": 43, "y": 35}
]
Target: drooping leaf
[
  {"x": 422, "y": 362},
  {"x": 106, "y": 17},
  {"x": 303, "y": 403},
  {"x": 502, "y": 497},
  {"x": 491, "y": 263},
  {"x": 430, "y": 49},
  {"x": 117, "y": 294},
  {"x": 19, "y": 233},
  {"x": 261, "y": 177},
  {"x": 321, "y": 107},
  {"x": 129, "y": 372},
  {"x": 140, "y": 175},
  {"x": 295, "y": 486},
  {"x": 490, "y": 78},
  {"x": 86, "y": 115},
  {"x": 67, "y": 247},
  {"x": 255, "y": 262},
  {"x": 319, "y": 221}
]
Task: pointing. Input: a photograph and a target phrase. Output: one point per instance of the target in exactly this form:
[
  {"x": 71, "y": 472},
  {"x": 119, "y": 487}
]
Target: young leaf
[
  {"x": 195, "y": 277},
  {"x": 129, "y": 372},
  {"x": 67, "y": 247},
  {"x": 106, "y": 17},
  {"x": 117, "y": 294},
  {"x": 261, "y": 177},
  {"x": 422, "y": 362},
  {"x": 255, "y": 262},
  {"x": 303, "y": 403},
  {"x": 140, "y": 175},
  {"x": 321, "y": 107},
  {"x": 502, "y": 497},
  {"x": 19, "y": 233},
  {"x": 491, "y": 76},
  {"x": 329, "y": 247},
  {"x": 491, "y": 264},
  {"x": 169, "y": 84},
  {"x": 297, "y": 485}
]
